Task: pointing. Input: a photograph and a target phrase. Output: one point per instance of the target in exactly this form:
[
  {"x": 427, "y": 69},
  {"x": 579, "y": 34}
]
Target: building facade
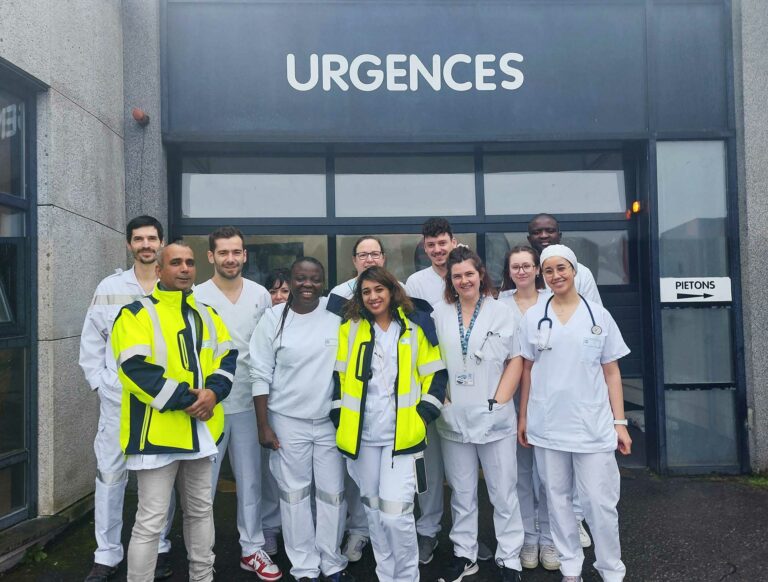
[{"x": 639, "y": 123}]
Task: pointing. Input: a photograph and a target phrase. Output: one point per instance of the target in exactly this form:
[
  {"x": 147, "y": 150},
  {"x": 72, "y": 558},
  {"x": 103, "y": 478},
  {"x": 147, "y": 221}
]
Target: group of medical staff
[
  {"x": 366, "y": 400},
  {"x": 382, "y": 382}
]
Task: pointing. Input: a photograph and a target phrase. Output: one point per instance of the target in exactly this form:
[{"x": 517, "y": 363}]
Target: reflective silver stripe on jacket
[
  {"x": 351, "y": 402},
  {"x": 162, "y": 398},
  {"x": 115, "y": 299},
  {"x": 137, "y": 350},
  {"x": 161, "y": 350},
  {"x": 294, "y": 497},
  {"x": 432, "y": 400},
  {"x": 213, "y": 340},
  {"x": 224, "y": 373},
  {"x": 431, "y": 368}
]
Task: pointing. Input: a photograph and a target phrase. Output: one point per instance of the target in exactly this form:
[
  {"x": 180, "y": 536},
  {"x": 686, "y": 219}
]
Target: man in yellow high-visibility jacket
[{"x": 176, "y": 364}]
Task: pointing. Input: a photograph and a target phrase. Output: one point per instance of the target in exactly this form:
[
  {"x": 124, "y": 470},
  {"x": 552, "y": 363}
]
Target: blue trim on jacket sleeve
[
  {"x": 424, "y": 320},
  {"x": 220, "y": 384},
  {"x": 336, "y": 304},
  {"x": 150, "y": 379}
]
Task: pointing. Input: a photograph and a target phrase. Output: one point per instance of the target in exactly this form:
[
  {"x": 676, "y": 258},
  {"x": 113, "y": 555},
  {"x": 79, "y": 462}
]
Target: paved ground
[{"x": 672, "y": 529}]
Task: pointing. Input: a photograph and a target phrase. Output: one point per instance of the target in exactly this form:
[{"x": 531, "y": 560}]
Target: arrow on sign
[{"x": 693, "y": 295}]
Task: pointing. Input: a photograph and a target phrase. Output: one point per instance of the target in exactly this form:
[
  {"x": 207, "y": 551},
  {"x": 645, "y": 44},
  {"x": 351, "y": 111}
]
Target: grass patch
[{"x": 758, "y": 481}]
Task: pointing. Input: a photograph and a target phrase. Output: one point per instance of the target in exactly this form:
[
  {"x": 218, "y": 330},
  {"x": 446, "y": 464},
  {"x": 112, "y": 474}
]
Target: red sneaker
[{"x": 261, "y": 565}]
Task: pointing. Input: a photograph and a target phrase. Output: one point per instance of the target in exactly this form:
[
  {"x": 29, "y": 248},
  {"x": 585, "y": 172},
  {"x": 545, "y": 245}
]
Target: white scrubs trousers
[
  {"x": 307, "y": 449},
  {"x": 111, "y": 479},
  {"x": 533, "y": 499},
  {"x": 597, "y": 480},
  {"x": 357, "y": 521},
  {"x": 258, "y": 509},
  {"x": 431, "y": 502},
  {"x": 387, "y": 487},
  {"x": 500, "y": 470}
]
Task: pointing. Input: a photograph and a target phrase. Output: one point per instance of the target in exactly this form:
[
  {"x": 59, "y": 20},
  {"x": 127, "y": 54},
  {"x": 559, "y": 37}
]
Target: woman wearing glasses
[
  {"x": 574, "y": 413},
  {"x": 477, "y": 338},
  {"x": 522, "y": 288},
  {"x": 367, "y": 252}
]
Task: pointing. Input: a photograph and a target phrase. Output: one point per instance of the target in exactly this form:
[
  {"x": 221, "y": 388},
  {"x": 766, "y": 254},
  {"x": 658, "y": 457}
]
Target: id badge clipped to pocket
[{"x": 421, "y": 473}]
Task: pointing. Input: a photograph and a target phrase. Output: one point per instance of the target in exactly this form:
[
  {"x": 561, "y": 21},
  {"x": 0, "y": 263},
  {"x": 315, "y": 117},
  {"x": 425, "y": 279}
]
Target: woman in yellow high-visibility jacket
[{"x": 389, "y": 384}]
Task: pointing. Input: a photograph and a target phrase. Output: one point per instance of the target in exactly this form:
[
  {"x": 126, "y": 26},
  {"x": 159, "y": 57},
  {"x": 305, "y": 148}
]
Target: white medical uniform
[
  {"x": 258, "y": 508},
  {"x": 530, "y": 490},
  {"x": 295, "y": 369},
  {"x": 570, "y": 423},
  {"x": 469, "y": 430},
  {"x": 428, "y": 285},
  {"x": 387, "y": 482},
  {"x": 100, "y": 369},
  {"x": 357, "y": 522}
]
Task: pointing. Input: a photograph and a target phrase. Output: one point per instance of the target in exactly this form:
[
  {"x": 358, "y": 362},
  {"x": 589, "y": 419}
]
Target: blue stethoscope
[{"x": 541, "y": 346}]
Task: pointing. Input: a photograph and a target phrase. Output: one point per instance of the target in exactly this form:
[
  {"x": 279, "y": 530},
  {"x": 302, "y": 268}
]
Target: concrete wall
[
  {"x": 750, "y": 30},
  {"x": 145, "y": 163},
  {"x": 77, "y": 48}
]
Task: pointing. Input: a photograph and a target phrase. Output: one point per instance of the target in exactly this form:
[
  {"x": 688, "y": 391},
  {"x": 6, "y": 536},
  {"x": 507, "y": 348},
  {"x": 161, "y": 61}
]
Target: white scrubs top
[
  {"x": 508, "y": 299},
  {"x": 466, "y": 418},
  {"x": 240, "y": 318},
  {"x": 379, "y": 419},
  {"x": 568, "y": 406},
  {"x": 426, "y": 284}
]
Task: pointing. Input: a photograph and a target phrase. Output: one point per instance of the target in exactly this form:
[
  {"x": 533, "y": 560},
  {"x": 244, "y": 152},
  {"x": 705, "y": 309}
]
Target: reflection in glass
[
  {"x": 701, "y": 428},
  {"x": 692, "y": 209},
  {"x": 11, "y": 144},
  {"x": 12, "y": 412},
  {"x": 12, "y": 488},
  {"x": 9, "y": 281},
  {"x": 265, "y": 253},
  {"x": 257, "y": 187},
  {"x": 404, "y": 254},
  {"x": 697, "y": 345},
  {"x": 605, "y": 252},
  {"x": 572, "y": 183},
  {"x": 405, "y": 186}
]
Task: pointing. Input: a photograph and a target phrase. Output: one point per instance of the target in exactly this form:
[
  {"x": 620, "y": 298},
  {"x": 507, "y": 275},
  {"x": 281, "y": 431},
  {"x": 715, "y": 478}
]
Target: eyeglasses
[
  {"x": 524, "y": 268},
  {"x": 373, "y": 255}
]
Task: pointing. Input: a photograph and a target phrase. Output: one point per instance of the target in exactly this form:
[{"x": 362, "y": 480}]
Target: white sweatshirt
[{"x": 295, "y": 368}]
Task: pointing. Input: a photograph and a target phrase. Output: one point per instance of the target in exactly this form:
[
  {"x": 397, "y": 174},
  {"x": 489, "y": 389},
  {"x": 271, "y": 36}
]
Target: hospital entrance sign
[{"x": 695, "y": 289}]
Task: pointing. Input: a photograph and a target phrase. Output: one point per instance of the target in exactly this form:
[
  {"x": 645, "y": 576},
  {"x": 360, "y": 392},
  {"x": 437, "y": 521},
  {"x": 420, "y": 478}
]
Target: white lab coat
[
  {"x": 470, "y": 431},
  {"x": 98, "y": 364}
]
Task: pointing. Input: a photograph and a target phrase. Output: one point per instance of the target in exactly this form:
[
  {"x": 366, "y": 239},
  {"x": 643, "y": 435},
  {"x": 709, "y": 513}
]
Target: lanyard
[{"x": 464, "y": 337}]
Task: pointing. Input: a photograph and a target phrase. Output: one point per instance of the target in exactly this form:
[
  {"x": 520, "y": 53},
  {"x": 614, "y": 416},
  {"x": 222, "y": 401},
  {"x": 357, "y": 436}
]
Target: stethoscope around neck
[{"x": 545, "y": 345}]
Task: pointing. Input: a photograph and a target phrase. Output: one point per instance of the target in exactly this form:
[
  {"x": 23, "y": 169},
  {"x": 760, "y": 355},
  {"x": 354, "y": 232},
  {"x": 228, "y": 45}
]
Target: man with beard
[
  {"x": 240, "y": 303},
  {"x": 144, "y": 237}
]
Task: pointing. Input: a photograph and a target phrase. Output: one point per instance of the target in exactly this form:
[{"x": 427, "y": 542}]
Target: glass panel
[
  {"x": 405, "y": 186},
  {"x": 697, "y": 345},
  {"x": 692, "y": 212},
  {"x": 701, "y": 427},
  {"x": 265, "y": 253},
  {"x": 9, "y": 274},
  {"x": 11, "y": 144},
  {"x": 257, "y": 187},
  {"x": 12, "y": 222},
  {"x": 404, "y": 253},
  {"x": 12, "y": 488},
  {"x": 605, "y": 252},
  {"x": 634, "y": 410},
  {"x": 573, "y": 183},
  {"x": 12, "y": 388}
]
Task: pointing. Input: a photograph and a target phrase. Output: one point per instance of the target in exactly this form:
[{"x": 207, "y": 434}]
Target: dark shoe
[
  {"x": 484, "y": 553},
  {"x": 342, "y": 576},
  {"x": 101, "y": 573},
  {"x": 510, "y": 575},
  {"x": 427, "y": 547},
  {"x": 458, "y": 569},
  {"x": 305, "y": 579},
  {"x": 163, "y": 568}
]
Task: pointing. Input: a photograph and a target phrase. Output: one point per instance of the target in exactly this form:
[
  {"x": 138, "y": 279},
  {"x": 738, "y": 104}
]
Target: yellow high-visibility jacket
[
  {"x": 421, "y": 382},
  {"x": 159, "y": 359}
]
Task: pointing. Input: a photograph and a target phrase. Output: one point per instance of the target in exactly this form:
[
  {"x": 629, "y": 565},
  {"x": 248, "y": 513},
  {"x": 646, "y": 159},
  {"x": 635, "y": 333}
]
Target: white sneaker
[
  {"x": 353, "y": 548},
  {"x": 584, "y": 538},
  {"x": 261, "y": 565},
  {"x": 549, "y": 557},
  {"x": 529, "y": 556}
]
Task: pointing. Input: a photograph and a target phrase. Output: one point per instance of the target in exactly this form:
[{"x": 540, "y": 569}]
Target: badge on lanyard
[{"x": 465, "y": 379}]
